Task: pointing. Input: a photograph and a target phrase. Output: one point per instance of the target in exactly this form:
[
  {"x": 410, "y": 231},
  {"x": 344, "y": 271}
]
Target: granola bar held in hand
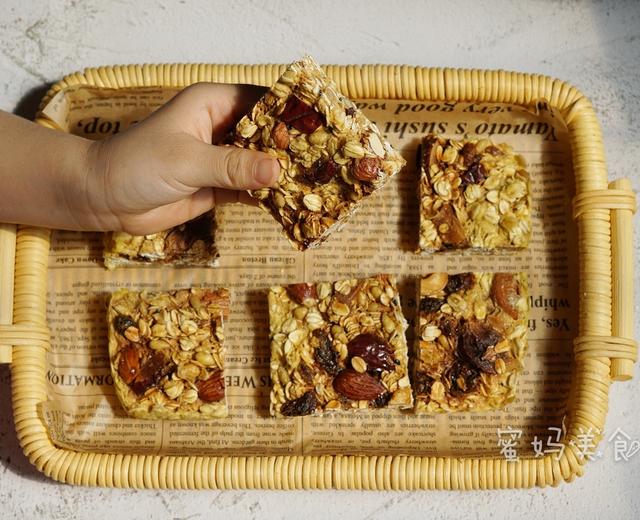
[
  {"x": 189, "y": 244},
  {"x": 337, "y": 346},
  {"x": 471, "y": 342},
  {"x": 473, "y": 194},
  {"x": 331, "y": 155},
  {"x": 166, "y": 352}
]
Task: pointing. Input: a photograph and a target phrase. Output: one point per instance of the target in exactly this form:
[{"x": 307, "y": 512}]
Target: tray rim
[{"x": 599, "y": 356}]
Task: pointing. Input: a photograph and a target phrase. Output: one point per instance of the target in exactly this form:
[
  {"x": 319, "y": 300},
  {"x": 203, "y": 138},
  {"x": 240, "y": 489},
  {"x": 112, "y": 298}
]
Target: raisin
[
  {"x": 468, "y": 153},
  {"x": 304, "y": 405},
  {"x": 428, "y": 304},
  {"x": 382, "y": 400},
  {"x": 121, "y": 323},
  {"x": 459, "y": 282},
  {"x": 325, "y": 354},
  {"x": 423, "y": 384},
  {"x": 476, "y": 337},
  {"x": 474, "y": 174},
  {"x": 321, "y": 172},
  {"x": 469, "y": 376}
]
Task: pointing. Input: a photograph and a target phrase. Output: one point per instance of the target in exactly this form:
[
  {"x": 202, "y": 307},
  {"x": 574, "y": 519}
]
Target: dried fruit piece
[
  {"x": 122, "y": 323},
  {"x": 382, "y": 400},
  {"x": 468, "y": 153},
  {"x": 367, "y": 169},
  {"x": 304, "y": 405},
  {"x": 321, "y": 172},
  {"x": 475, "y": 338},
  {"x": 153, "y": 367},
  {"x": 459, "y": 282},
  {"x": 280, "y": 136},
  {"x": 506, "y": 292},
  {"x": 357, "y": 386},
  {"x": 373, "y": 350},
  {"x": 462, "y": 379},
  {"x": 429, "y": 304},
  {"x": 474, "y": 174},
  {"x": 211, "y": 389},
  {"x": 301, "y": 116},
  {"x": 449, "y": 227},
  {"x": 302, "y": 292},
  {"x": 325, "y": 354},
  {"x": 129, "y": 365}
]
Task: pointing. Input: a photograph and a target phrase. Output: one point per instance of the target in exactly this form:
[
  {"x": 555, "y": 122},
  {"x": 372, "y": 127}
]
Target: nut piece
[
  {"x": 128, "y": 366},
  {"x": 357, "y": 386},
  {"x": 506, "y": 293},
  {"x": 449, "y": 228},
  {"x": 302, "y": 292},
  {"x": 280, "y": 136},
  {"x": 367, "y": 169},
  {"x": 212, "y": 389}
]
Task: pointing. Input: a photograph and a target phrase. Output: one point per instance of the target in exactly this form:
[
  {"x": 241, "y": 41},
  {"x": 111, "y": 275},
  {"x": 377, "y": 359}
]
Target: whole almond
[
  {"x": 300, "y": 292},
  {"x": 212, "y": 389},
  {"x": 357, "y": 386},
  {"x": 129, "y": 364}
]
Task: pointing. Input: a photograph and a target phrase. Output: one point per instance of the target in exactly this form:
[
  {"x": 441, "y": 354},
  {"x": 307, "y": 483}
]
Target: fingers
[
  {"x": 211, "y": 108},
  {"x": 170, "y": 215},
  {"x": 228, "y": 167}
]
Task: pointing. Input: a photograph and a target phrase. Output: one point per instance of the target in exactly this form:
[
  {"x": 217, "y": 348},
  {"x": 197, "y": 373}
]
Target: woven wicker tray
[{"x": 604, "y": 350}]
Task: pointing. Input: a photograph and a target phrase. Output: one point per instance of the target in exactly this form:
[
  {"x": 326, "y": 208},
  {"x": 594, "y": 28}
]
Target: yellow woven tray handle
[
  {"x": 22, "y": 312},
  {"x": 621, "y": 347},
  {"x": 7, "y": 265}
]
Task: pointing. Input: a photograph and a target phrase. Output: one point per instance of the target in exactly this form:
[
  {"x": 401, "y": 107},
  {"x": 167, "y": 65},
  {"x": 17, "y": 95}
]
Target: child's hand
[
  {"x": 164, "y": 170},
  {"x": 153, "y": 176}
]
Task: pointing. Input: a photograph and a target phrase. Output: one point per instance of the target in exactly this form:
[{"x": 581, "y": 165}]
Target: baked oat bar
[
  {"x": 166, "y": 352},
  {"x": 337, "y": 346},
  {"x": 189, "y": 244},
  {"x": 471, "y": 340},
  {"x": 473, "y": 194},
  {"x": 331, "y": 155}
]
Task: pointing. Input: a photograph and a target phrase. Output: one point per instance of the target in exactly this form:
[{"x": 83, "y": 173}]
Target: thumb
[{"x": 229, "y": 167}]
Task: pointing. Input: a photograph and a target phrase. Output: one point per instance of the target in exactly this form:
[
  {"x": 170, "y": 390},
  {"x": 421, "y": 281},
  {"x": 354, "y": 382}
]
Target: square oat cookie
[
  {"x": 166, "y": 352},
  {"x": 471, "y": 341},
  {"x": 189, "y": 244},
  {"x": 473, "y": 194},
  {"x": 331, "y": 156},
  {"x": 338, "y": 346}
]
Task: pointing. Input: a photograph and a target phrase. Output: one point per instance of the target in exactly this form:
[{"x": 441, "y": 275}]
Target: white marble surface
[{"x": 593, "y": 45}]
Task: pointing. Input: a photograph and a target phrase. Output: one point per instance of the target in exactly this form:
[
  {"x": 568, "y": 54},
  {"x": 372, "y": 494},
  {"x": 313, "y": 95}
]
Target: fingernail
[{"x": 266, "y": 172}]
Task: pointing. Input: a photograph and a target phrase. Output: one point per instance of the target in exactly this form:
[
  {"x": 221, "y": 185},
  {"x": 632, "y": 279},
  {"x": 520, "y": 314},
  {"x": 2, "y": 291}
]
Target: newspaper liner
[{"x": 83, "y": 412}]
